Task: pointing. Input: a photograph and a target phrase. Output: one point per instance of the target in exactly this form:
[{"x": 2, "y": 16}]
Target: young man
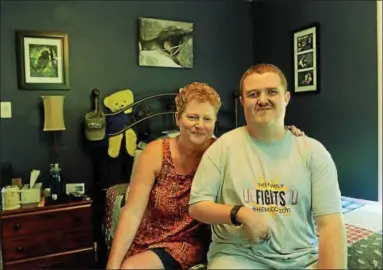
[{"x": 266, "y": 192}]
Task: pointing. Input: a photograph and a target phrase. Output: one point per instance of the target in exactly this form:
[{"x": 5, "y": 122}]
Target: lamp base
[{"x": 62, "y": 198}]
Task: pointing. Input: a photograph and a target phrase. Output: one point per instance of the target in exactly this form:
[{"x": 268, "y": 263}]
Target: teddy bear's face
[{"x": 119, "y": 100}]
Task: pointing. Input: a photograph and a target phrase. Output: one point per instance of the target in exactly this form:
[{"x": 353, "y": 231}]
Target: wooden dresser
[{"x": 54, "y": 236}]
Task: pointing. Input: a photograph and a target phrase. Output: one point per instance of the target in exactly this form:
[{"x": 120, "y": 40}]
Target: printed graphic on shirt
[{"x": 270, "y": 197}]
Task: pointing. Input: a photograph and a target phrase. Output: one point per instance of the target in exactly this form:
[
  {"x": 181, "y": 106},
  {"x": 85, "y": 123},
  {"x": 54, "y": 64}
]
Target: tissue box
[{"x": 31, "y": 195}]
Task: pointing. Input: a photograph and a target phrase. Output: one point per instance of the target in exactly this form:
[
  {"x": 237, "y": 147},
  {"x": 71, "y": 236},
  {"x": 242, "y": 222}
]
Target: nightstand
[{"x": 53, "y": 236}]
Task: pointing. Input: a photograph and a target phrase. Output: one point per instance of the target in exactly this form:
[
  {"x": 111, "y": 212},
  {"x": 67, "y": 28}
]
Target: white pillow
[
  {"x": 175, "y": 133},
  {"x": 171, "y": 133}
]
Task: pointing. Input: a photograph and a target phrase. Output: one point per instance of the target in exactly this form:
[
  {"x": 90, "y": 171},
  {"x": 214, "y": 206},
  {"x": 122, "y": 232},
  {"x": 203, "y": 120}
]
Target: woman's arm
[{"x": 147, "y": 168}]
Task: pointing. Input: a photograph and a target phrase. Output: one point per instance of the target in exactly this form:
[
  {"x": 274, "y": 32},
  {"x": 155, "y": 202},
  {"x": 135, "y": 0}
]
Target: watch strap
[{"x": 233, "y": 215}]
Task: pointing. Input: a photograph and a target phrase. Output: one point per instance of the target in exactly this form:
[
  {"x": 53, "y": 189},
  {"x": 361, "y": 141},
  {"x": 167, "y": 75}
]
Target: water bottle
[{"x": 57, "y": 185}]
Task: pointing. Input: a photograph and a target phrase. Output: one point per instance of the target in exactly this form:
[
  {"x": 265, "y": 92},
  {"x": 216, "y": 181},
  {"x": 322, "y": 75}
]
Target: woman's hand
[{"x": 296, "y": 131}]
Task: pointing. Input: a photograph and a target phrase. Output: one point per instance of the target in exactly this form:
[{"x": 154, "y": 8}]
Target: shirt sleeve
[
  {"x": 207, "y": 179},
  {"x": 325, "y": 192}
]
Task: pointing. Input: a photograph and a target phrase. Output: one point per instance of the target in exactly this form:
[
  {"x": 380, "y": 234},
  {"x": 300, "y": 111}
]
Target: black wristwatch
[{"x": 233, "y": 215}]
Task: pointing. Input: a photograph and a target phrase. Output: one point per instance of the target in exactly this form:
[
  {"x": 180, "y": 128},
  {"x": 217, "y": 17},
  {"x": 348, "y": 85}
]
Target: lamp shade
[{"x": 53, "y": 113}]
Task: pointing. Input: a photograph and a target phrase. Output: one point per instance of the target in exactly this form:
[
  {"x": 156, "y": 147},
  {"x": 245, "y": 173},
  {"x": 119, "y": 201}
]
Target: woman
[{"x": 155, "y": 230}]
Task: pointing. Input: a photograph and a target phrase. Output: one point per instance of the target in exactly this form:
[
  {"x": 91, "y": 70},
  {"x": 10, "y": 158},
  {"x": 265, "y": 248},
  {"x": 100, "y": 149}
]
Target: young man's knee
[
  {"x": 128, "y": 264},
  {"x": 145, "y": 260},
  {"x": 231, "y": 262},
  {"x": 134, "y": 264}
]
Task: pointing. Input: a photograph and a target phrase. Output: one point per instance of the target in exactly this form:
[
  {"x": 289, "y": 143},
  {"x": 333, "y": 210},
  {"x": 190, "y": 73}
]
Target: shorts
[
  {"x": 167, "y": 260},
  {"x": 237, "y": 256}
]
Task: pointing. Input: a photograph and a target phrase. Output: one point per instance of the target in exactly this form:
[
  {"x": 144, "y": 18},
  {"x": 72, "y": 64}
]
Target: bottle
[{"x": 57, "y": 183}]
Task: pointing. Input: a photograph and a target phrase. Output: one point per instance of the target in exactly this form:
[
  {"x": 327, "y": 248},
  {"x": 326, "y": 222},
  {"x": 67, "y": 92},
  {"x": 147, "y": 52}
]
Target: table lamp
[
  {"x": 54, "y": 122},
  {"x": 53, "y": 118}
]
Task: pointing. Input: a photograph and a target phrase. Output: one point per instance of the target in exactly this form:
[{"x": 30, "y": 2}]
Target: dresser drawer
[
  {"x": 32, "y": 223},
  {"x": 46, "y": 243},
  {"x": 79, "y": 259}
]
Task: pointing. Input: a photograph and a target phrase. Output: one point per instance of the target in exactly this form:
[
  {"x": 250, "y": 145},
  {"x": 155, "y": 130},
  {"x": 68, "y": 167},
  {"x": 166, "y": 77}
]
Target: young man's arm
[
  {"x": 327, "y": 210},
  {"x": 332, "y": 242},
  {"x": 206, "y": 185}
]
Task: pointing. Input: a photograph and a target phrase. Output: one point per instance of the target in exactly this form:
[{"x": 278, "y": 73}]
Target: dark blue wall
[
  {"x": 103, "y": 54},
  {"x": 344, "y": 115},
  {"x": 103, "y": 47}
]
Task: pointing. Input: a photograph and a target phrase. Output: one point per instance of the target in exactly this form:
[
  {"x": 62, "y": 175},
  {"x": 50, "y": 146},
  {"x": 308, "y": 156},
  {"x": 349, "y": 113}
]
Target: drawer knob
[
  {"x": 16, "y": 226},
  {"x": 20, "y": 248},
  {"x": 78, "y": 218},
  {"x": 56, "y": 265}
]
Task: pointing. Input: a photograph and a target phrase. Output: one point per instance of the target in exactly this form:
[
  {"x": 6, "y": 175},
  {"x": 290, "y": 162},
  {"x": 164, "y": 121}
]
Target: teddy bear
[{"x": 117, "y": 121}]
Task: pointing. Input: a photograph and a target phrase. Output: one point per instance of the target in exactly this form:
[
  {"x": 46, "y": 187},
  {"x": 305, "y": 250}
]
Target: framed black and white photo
[
  {"x": 306, "y": 59},
  {"x": 42, "y": 60}
]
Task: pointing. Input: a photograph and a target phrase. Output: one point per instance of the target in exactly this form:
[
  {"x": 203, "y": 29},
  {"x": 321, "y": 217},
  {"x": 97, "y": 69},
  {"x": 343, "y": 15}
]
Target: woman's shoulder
[
  {"x": 153, "y": 151},
  {"x": 154, "y": 146},
  {"x": 212, "y": 140}
]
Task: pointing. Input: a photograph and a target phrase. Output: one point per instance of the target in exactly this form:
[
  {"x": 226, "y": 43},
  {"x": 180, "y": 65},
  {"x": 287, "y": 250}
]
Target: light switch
[{"x": 6, "y": 109}]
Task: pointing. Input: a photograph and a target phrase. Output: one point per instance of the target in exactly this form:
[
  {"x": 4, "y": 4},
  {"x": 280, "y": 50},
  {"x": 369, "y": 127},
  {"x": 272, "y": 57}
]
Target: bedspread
[{"x": 363, "y": 220}]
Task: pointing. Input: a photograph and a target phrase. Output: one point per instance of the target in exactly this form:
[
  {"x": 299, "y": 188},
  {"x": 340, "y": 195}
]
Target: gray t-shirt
[{"x": 289, "y": 181}]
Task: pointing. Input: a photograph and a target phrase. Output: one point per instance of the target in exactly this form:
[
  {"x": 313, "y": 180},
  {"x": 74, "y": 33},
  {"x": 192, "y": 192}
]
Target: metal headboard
[
  {"x": 140, "y": 101},
  {"x": 236, "y": 105},
  {"x": 148, "y": 117},
  {"x": 153, "y": 115}
]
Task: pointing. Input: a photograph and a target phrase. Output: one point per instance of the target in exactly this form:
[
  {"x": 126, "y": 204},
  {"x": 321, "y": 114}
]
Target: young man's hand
[{"x": 255, "y": 225}]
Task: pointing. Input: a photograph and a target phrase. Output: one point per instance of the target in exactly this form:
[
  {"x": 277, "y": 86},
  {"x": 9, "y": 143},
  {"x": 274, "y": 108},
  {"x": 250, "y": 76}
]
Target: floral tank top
[{"x": 166, "y": 222}]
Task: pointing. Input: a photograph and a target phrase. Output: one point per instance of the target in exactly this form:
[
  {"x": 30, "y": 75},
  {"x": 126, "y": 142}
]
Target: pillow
[
  {"x": 170, "y": 133},
  {"x": 175, "y": 133}
]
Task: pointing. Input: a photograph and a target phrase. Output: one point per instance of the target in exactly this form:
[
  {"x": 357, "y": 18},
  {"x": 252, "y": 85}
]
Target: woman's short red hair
[{"x": 197, "y": 91}]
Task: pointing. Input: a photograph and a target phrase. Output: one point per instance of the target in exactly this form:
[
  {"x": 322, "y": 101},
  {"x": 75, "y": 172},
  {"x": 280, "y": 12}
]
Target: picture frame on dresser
[
  {"x": 42, "y": 60},
  {"x": 306, "y": 59}
]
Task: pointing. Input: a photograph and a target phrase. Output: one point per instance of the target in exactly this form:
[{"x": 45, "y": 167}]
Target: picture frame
[
  {"x": 42, "y": 60},
  {"x": 306, "y": 59},
  {"x": 165, "y": 43}
]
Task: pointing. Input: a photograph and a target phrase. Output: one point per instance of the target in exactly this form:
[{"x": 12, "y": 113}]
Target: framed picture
[
  {"x": 306, "y": 59},
  {"x": 42, "y": 60},
  {"x": 164, "y": 43}
]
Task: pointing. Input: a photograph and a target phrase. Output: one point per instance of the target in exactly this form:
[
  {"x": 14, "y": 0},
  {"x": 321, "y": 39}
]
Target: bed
[
  {"x": 363, "y": 218},
  {"x": 363, "y": 221}
]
